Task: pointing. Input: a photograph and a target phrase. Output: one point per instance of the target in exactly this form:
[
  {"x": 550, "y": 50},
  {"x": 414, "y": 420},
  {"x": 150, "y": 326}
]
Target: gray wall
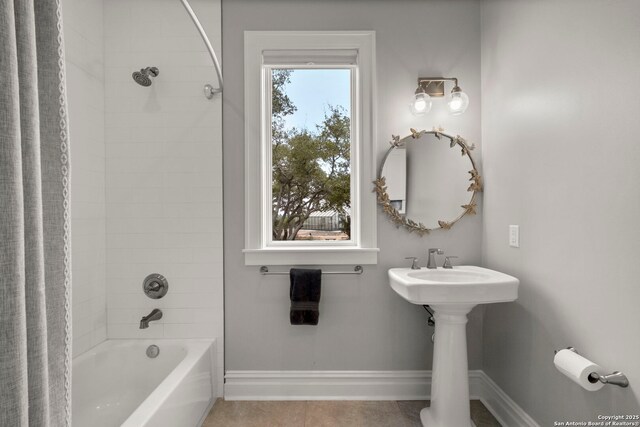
[
  {"x": 363, "y": 323},
  {"x": 560, "y": 111}
]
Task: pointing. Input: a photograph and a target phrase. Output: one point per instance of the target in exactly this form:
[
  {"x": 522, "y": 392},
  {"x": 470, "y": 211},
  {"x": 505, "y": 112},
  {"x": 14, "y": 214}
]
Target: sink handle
[
  {"x": 447, "y": 261},
  {"x": 414, "y": 262}
]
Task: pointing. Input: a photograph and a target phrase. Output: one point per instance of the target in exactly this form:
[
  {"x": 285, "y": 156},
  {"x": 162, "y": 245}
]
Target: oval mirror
[{"x": 428, "y": 180}]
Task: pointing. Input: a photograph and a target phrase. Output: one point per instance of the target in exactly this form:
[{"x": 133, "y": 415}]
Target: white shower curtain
[{"x": 34, "y": 217}]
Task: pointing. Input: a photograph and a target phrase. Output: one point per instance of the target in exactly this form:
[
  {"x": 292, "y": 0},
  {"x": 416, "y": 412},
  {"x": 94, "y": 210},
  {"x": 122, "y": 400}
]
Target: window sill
[{"x": 311, "y": 256}]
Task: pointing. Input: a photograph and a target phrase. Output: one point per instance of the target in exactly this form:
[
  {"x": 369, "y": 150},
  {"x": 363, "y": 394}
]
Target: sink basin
[
  {"x": 451, "y": 293},
  {"x": 465, "y": 284}
]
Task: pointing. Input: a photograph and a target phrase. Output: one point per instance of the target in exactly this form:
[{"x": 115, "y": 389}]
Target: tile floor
[{"x": 329, "y": 414}]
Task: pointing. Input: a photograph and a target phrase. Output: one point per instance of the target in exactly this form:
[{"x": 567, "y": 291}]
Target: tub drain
[{"x": 153, "y": 351}]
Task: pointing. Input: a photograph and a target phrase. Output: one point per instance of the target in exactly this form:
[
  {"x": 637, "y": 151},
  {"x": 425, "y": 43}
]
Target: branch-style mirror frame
[{"x": 401, "y": 220}]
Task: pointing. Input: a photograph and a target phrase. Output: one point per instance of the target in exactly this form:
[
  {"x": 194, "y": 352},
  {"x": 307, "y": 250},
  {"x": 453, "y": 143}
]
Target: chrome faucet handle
[
  {"x": 431, "y": 263},
  {"x": 414, "y": 262},
  {"x": 447, "y": 261}
]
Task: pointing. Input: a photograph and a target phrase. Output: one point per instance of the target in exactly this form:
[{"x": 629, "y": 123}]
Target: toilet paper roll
[{"x": 577, "y": 368}]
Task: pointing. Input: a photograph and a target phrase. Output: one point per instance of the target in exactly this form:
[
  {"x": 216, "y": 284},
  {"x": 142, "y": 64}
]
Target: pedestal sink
[{"x": 451, "y": 293}]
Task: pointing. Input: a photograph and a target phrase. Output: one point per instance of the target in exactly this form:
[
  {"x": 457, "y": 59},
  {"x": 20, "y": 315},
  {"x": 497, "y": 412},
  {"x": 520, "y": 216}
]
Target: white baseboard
[
  {"x": 365, "y": 385},
  {"x": 326, "y": 385},
  {"x": 506, "y": 411}
]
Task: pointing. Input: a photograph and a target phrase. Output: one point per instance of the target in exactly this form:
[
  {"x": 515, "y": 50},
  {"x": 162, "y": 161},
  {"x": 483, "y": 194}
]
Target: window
[
  {"x": 309, "y": 148},
  {"x": 310, "y": 153}
]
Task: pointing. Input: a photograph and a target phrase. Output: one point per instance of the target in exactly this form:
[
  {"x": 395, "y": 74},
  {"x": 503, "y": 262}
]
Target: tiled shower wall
[
  {"x": 164, "y": 171},
  {"x": 83, "y": 31}
]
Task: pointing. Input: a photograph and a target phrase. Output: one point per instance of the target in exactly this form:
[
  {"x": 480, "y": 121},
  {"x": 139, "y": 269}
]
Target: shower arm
[{"x": 209, "y": 90}]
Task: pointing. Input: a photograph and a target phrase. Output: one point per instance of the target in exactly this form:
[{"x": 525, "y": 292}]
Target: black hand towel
[{"x": 305, "y": 296}]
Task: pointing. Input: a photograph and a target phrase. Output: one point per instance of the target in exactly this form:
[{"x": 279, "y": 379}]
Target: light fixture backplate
[{"x": 434, "y": 86}]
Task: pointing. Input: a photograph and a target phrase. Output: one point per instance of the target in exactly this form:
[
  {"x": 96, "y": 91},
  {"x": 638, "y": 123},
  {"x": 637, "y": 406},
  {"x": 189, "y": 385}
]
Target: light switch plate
[{"x": 514, "y": 236}]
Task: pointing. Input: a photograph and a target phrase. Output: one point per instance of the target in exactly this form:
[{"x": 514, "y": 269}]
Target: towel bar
[{"x": 264, "y": 270}]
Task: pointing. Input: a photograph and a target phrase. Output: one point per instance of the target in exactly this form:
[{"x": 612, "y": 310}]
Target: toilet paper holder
[{"x": 614, "y": 378}]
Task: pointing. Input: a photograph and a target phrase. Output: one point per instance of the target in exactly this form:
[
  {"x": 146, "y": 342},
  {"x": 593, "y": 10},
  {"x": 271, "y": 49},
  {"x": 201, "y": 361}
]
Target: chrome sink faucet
[
  {"x": 156, "y": 314},
  {"x": 431, "y": 263}
]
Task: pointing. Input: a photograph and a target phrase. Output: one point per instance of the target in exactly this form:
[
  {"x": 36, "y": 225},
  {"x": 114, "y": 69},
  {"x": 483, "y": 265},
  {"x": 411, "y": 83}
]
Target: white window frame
[{"x": 259, "y": 247}]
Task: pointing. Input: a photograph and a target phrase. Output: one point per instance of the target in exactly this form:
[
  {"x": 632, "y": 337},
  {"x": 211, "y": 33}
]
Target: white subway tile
[
  {"x": 189, "y": 315},
  {"x": 132, "y": 330},
  {"x": 125, "y": 315},
  {"x": 135, "y": 300},
  {"x": 136, "y": 225},
  {"x": 134, "y": 240},
  {"x": 191, "y": 225},
  {"x": 188, "y": 330},
  {"x": 81, "y": 327},
  {"x": 81, "y": 311},
  {"x": 195, "y": 300},
  {"x": 81, "y": 343},
  {"x": 134, "y": 179},
  {"x": 134, "y": 195},
  {"x": 192, "y": 194},
  {"x": 194, "y": 240},
  {"x": 189, "y": 150},
  {"x": 135, "y": 210},
  {"x": 193, "y": 210},
  {"x": 99, "y": 335},
  {"x": 131, "y": 150},
  {"x": 134, "y": 271},
  {"x": 206, "y": 272},
  {"x": 164, "y": 161}
]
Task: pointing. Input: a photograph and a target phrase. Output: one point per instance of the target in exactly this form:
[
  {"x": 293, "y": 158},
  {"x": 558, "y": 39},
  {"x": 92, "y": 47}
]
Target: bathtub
[{"x": 117, "y": 384}]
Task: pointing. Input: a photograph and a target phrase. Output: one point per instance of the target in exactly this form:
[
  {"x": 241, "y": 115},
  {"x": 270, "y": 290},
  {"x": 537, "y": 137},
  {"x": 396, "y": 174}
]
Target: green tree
[
  {"x": 281, "y": 104},
  {"x": 311, "y": 170}
]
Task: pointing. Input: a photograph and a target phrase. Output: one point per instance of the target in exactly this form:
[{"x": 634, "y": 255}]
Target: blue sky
[{"x": 312, "y": 90}]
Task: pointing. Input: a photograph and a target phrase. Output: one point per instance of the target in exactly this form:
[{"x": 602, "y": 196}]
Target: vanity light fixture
[{"x": 433, "y": 87}]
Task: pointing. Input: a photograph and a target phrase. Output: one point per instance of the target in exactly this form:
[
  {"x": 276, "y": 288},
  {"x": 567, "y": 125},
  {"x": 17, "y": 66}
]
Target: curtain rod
[{"x": 209, "y": 91}]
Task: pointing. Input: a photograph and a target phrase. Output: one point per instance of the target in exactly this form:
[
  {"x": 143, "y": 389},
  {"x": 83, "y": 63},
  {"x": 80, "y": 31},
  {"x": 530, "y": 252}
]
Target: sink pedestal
[
  {"x": 452, "y": 293},
  {"x": 450, "y": 377}
]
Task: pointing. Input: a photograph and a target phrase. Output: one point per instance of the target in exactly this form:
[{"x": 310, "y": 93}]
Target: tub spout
[{"x": 156, "y": 314}]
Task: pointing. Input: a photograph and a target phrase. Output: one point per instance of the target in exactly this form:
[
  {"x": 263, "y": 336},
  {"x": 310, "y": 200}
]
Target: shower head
[{"x": 143, "y": 77}]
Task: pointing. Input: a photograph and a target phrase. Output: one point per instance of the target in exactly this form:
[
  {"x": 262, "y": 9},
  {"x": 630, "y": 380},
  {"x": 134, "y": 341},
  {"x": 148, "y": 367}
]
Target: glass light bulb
[
  {"x": 458, "y": 103},
  {"x": 420, "y": 104},
  {"x": 455, "y": 103}
]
